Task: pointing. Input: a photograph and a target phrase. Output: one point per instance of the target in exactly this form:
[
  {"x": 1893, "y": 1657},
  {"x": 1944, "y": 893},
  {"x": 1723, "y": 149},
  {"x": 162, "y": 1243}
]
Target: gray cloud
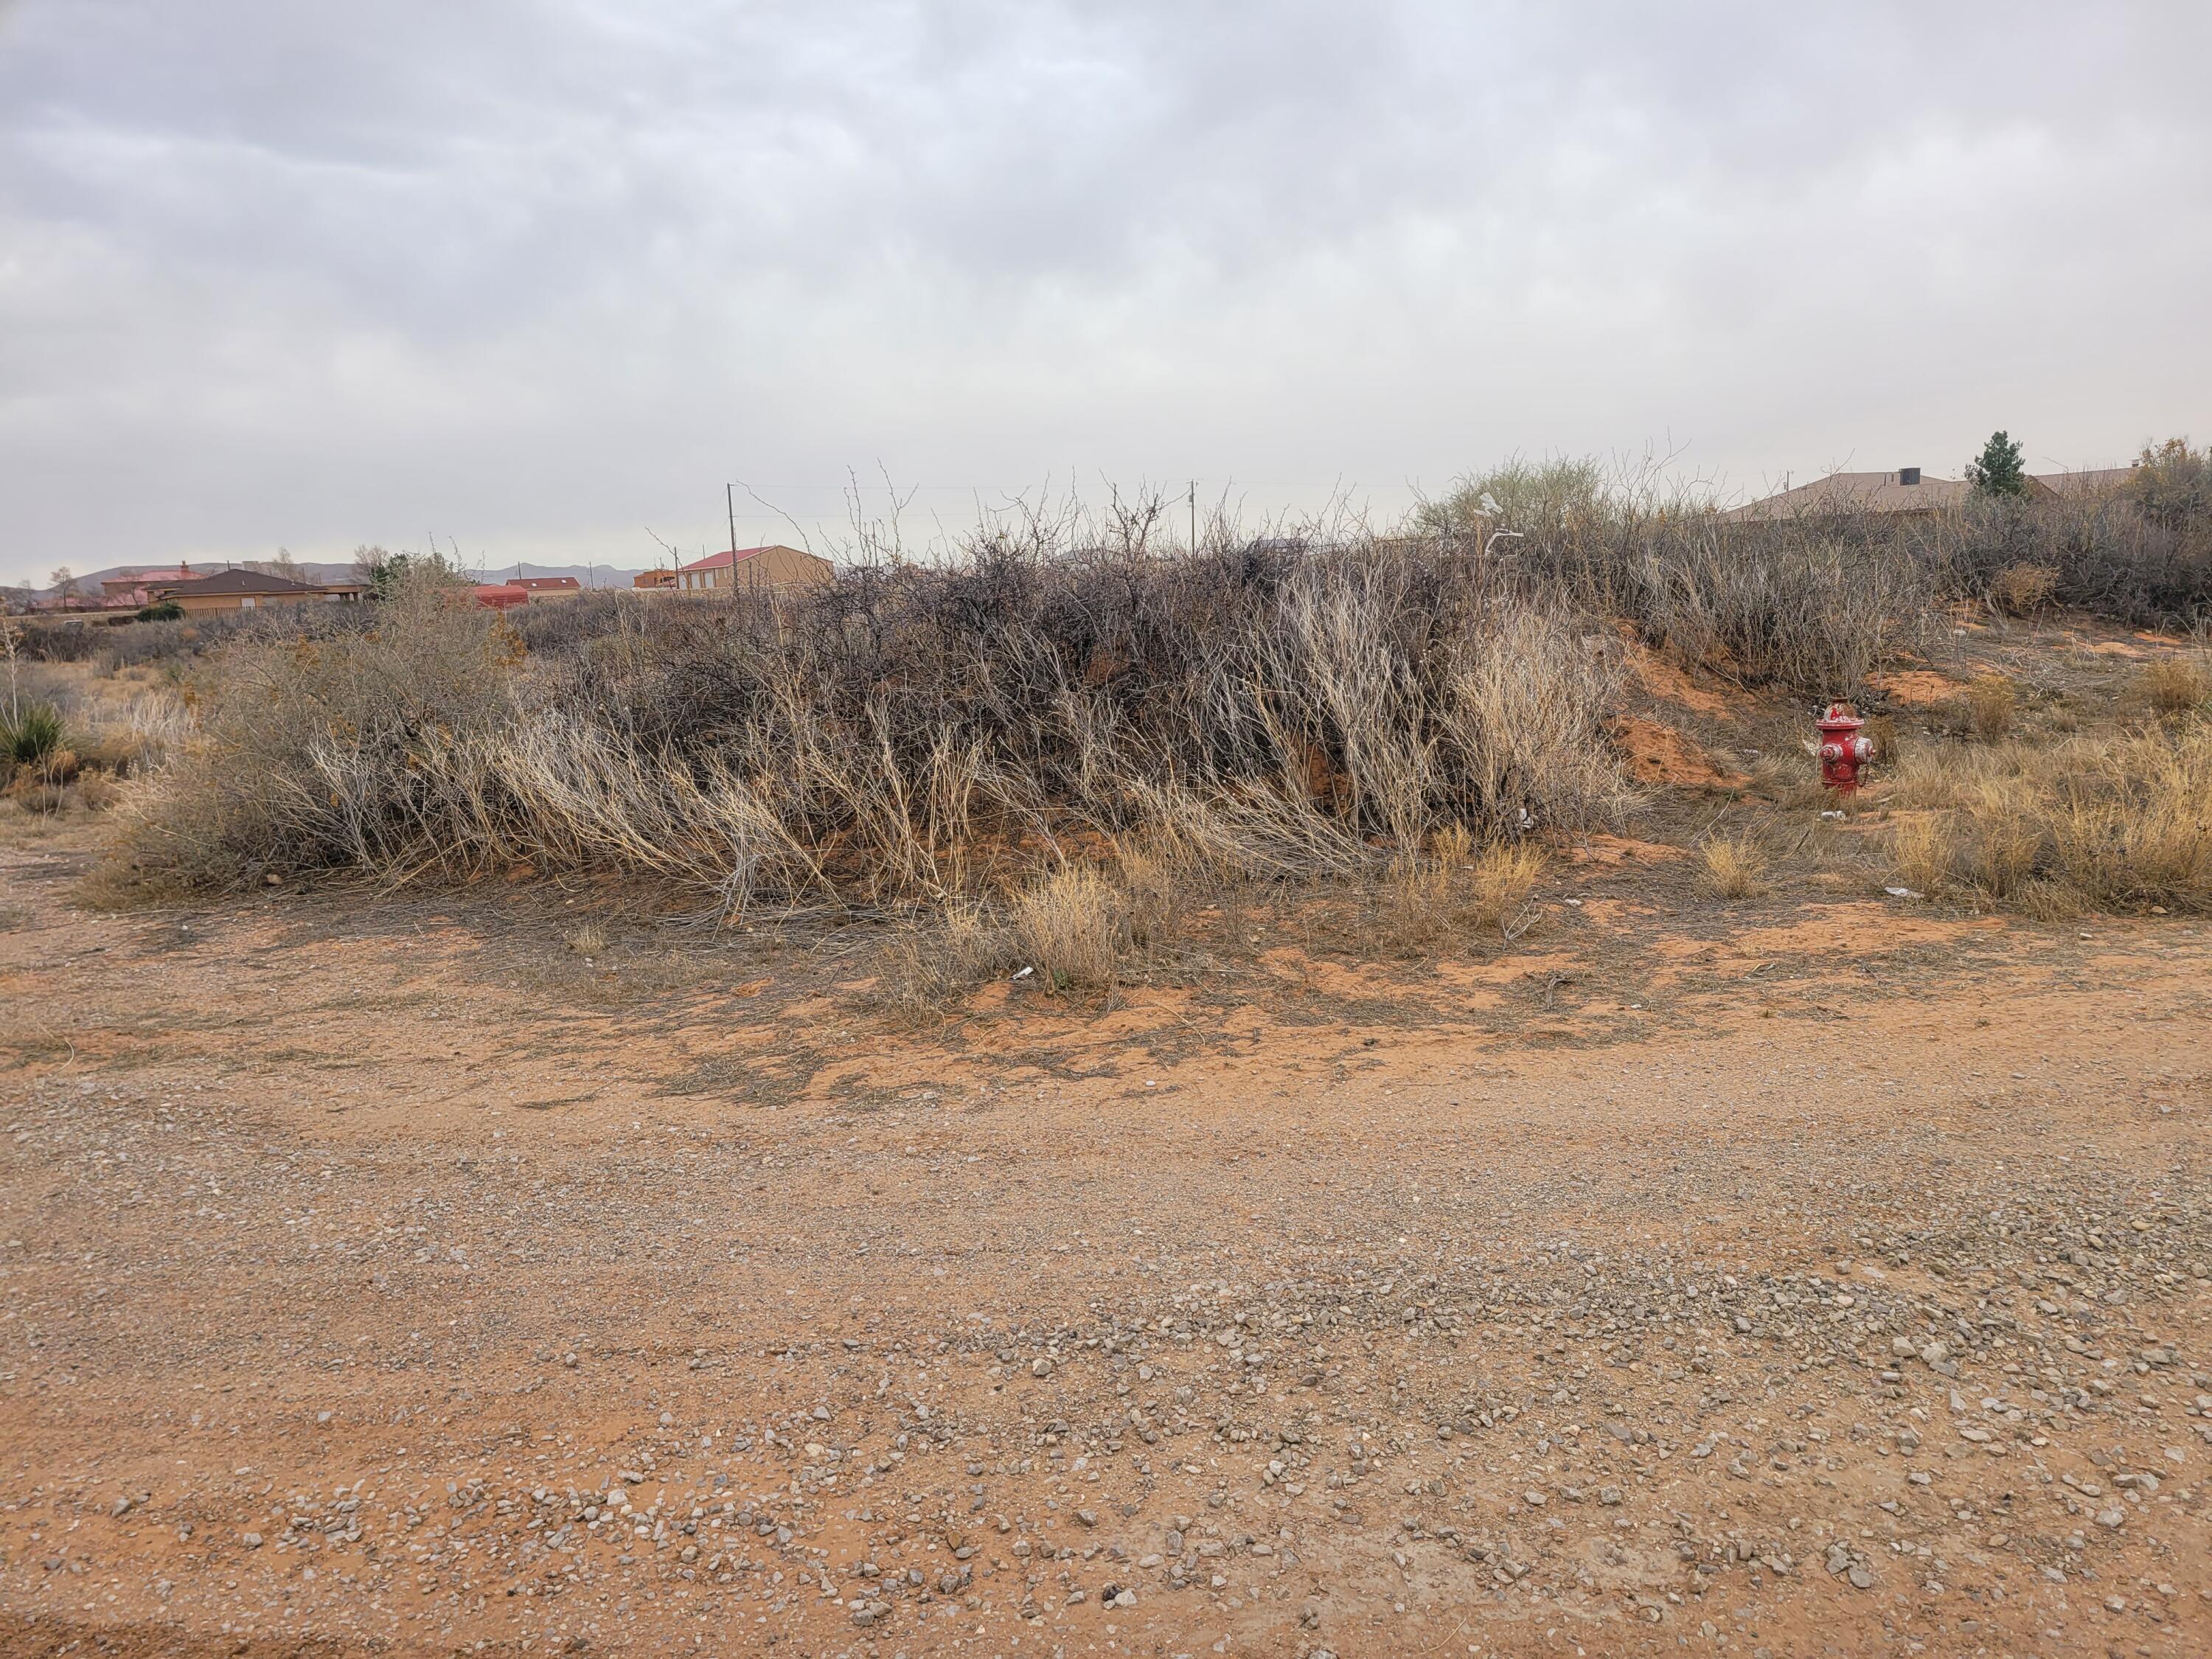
[{"x": 532, "y": 275}]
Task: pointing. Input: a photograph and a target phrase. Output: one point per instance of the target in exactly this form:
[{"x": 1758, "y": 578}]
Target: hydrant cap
[{"x": 1838, "y": 720}]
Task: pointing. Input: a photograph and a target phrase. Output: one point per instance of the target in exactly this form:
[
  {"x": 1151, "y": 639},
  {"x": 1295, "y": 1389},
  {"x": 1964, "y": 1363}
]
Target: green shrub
[{"x": 31, "y": 734}]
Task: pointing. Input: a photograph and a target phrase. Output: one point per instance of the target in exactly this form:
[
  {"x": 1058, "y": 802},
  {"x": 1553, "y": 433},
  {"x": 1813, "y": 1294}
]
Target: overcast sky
[{"x": 532, "y": 275}]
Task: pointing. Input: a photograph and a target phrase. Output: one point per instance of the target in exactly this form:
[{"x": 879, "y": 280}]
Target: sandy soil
[{"x": 381, "y": 1277}]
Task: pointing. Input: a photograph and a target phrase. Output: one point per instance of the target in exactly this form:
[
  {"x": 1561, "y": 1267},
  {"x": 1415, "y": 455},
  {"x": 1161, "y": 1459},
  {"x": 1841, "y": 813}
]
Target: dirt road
[{"x": 363, "y": 1294}]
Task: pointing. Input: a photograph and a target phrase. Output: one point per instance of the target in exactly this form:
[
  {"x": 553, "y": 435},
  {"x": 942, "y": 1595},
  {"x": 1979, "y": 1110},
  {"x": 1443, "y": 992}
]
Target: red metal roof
[{"x": 501, "y": 596}]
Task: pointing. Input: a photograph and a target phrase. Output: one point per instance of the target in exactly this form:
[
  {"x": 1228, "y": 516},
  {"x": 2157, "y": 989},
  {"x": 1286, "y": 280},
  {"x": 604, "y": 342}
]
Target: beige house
[
  {"x": 250, "y": 590},
  {"x": 753, "y": 568}
]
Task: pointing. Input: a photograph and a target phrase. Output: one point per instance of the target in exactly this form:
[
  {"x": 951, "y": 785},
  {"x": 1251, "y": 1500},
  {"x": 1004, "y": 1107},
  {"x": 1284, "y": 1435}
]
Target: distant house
[
  {"x": 2090, "y": 481},
  {"x": 547, "y": 587},
  {"x": 134, "y": 588},
  {"x": 249, "y": 590},
  {"x": 654, "y": 579},
  {"x": 501, "y": 596},
  {"x": 1907, "y": 492},
  {"x": 754, "y": 569}
]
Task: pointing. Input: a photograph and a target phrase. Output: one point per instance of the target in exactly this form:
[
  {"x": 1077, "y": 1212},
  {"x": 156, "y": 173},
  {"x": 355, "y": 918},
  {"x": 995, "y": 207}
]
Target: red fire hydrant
[{"x": 1843, "y": 753}]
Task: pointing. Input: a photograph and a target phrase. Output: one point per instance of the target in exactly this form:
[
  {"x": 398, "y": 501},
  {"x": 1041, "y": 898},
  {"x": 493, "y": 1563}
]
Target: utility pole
[
  {"x": 1193, "y": 515},
  {"x": 730, "y": 500}
]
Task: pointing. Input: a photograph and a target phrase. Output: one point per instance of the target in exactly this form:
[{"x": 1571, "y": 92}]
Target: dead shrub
[
  {"x": 352, "y": 751},
  {"x": 97, "y": 791},
  {"x": 2022, "y": 590},
  {"x": 1735, "y": 867},
  {"x": 35, "y": 795},
  {"x": 2173, "y": 684},
  {"x": 588, "y": 940}
]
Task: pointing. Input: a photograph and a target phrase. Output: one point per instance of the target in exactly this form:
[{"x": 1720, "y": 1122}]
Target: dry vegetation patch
[
  {"x": 1037, "y": 754},
  {"x": 2174, "y": 684},
  {"x": 911, "y": 737},
  {"x": 2118, "y": 822},
  {"x": 1735, "y": 867}
]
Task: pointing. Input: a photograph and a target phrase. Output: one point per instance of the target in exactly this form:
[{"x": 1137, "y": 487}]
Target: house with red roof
[{"x": 546, "y": 587}]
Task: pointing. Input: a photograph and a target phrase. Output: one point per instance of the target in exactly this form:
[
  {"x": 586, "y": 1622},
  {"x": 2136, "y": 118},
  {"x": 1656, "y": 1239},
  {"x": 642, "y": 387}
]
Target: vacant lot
[
  {"x": 1822, "y": 1274},
  {"x": 555, "y": 1156}
]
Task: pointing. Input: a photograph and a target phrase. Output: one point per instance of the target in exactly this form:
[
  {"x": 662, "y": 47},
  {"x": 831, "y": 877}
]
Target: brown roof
[
  {"x": 1883, "y": 492},
  {"x": 545, "y": 584},
  {"x": 249, "y": 582},
  {"x": 1857, "y": 492},
  {"x": 123, "y": 581},
  {"x": 2089, "y": 480}
]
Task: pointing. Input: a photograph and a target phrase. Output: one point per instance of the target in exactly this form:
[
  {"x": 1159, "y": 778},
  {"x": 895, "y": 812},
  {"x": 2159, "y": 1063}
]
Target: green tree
[
  {"x": 2172, "y": 481},
  {"x": 1998, "y": 470},
  {"x": 384, "y": 573},
  {"x": 1520, "y": 495}
]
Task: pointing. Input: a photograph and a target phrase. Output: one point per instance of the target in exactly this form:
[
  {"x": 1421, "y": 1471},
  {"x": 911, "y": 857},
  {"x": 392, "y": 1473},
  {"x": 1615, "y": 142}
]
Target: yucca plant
[{"x": 29, "y": 734}]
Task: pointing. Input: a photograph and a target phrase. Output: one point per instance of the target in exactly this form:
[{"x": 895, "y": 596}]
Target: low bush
[
  {"x": 1499, "y": 883},
  {"x": 1989, "y": 704},
  {"x": 1072, "y": 926},
  {"x": 2110, "y": 553},
  {"x": 343, "y": 751}
]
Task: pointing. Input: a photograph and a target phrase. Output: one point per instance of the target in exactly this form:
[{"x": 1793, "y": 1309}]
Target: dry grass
[
  {"x": 1456, "y": 893},
  {"x": 1413, "y": 908},
  {"x": 1071, "y": 927},
  {"x": 1735, "y": 867},
  {"x": 1989, "y": 703},
  {"x": 2174, "y": 684},
  {"x": 2120, "y": 824},
  {"x": 589, "y": 940},
  {"x": 931, "y": 962},
  {"x": 1499, "y": 886}
]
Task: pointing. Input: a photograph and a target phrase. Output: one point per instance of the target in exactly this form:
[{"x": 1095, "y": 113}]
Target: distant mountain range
[{"x": 593, "y": 575}]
